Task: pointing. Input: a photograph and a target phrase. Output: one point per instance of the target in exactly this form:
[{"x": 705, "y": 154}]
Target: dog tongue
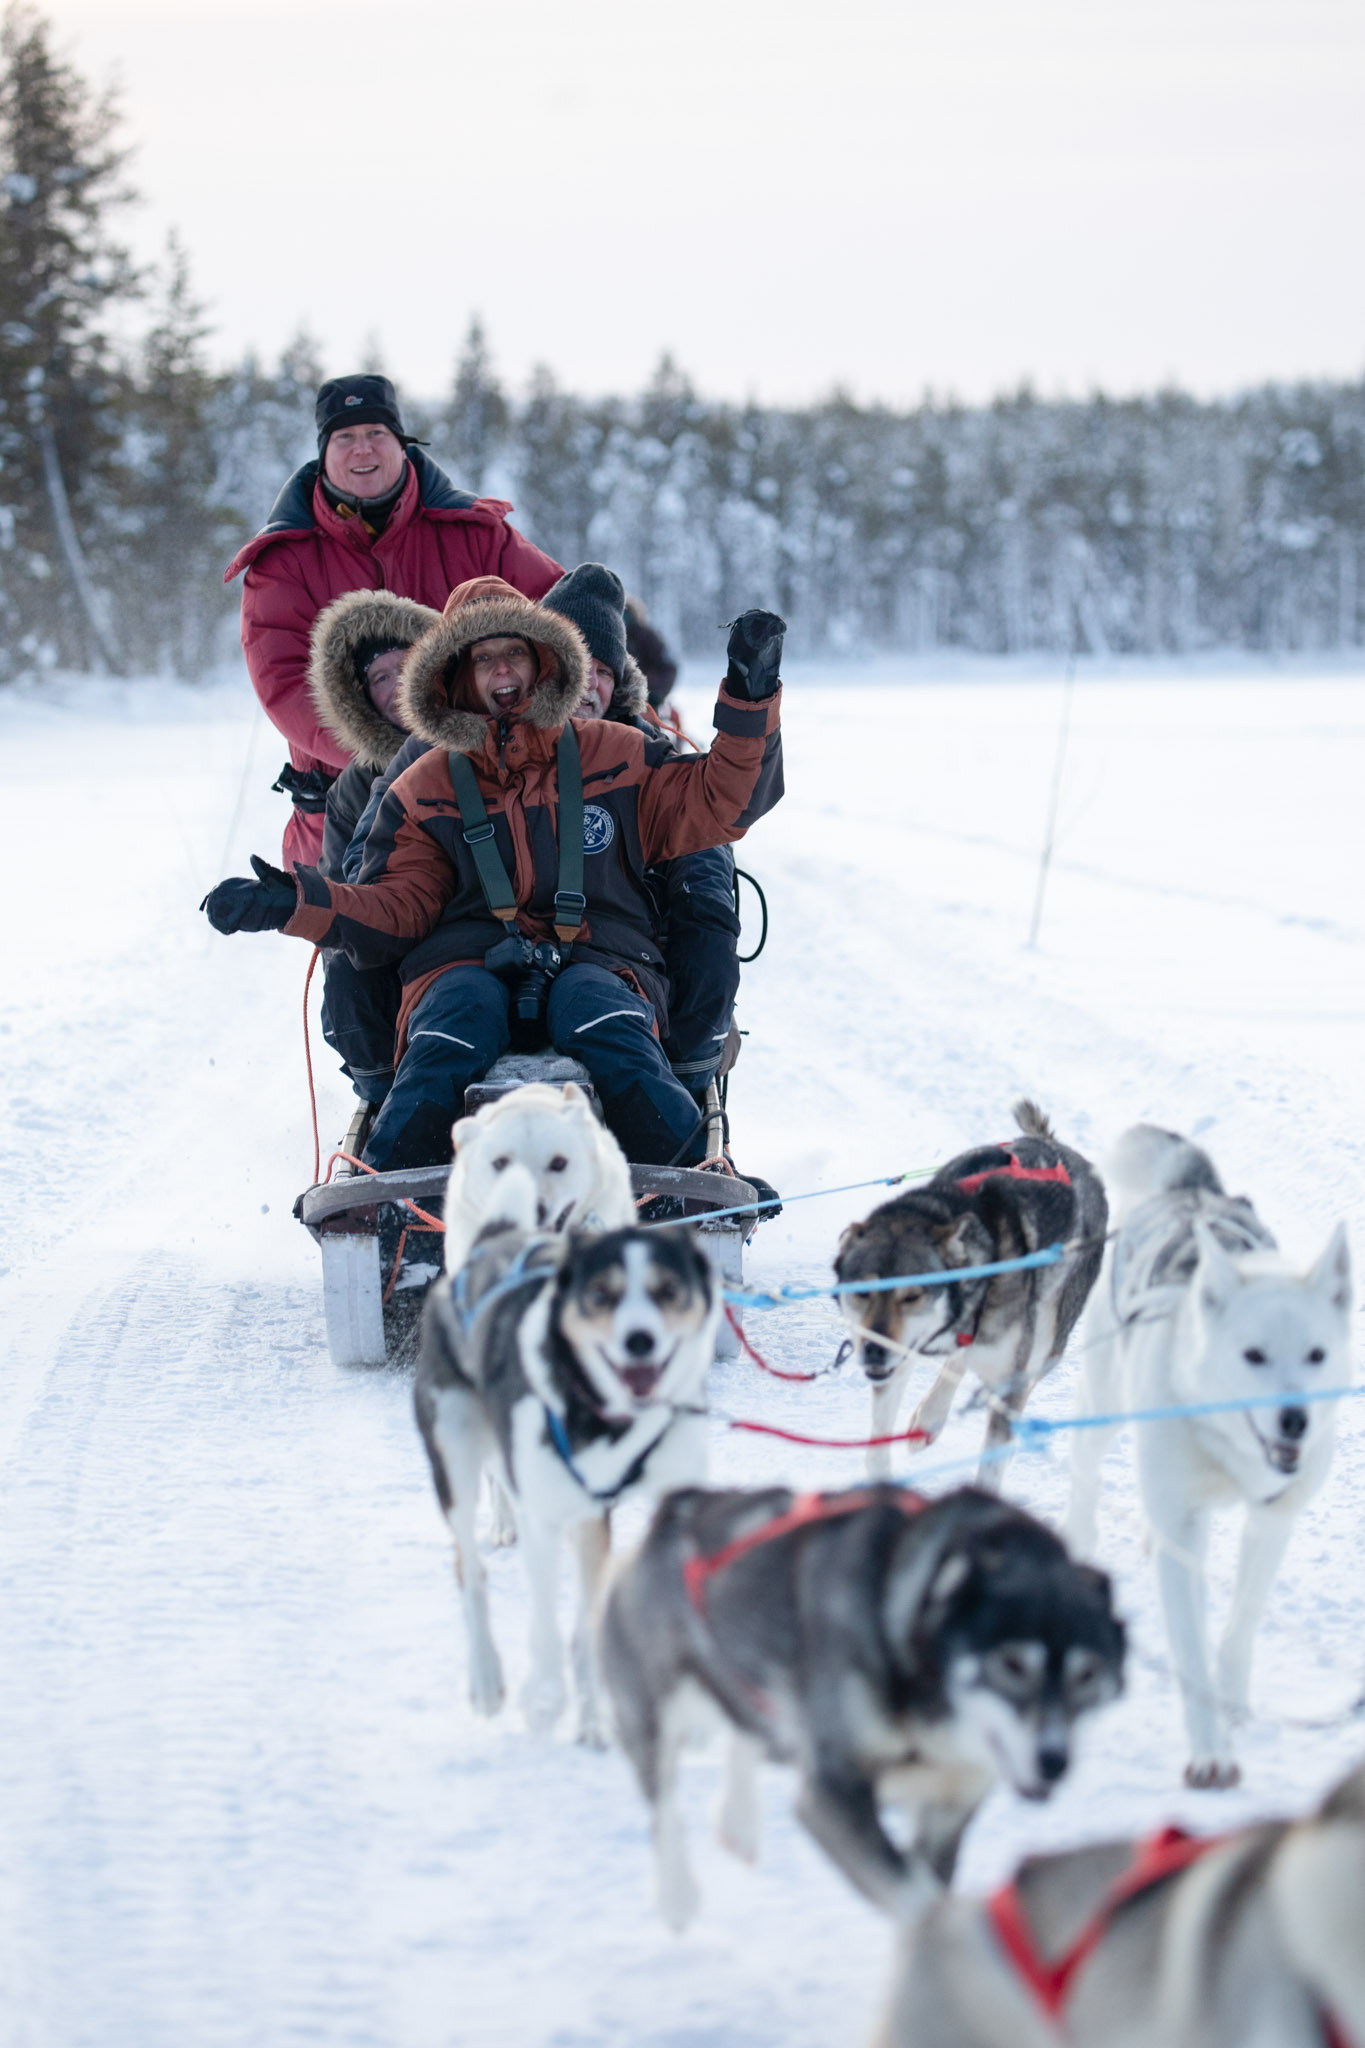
[{"x": 641, "y": 1379}]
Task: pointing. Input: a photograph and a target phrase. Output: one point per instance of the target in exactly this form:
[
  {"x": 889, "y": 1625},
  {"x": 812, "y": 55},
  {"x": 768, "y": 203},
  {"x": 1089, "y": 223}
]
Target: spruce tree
[
  {"x": 476, "y": 421},
  {"x": 177, "y": 532},
  {"x": 61, "y": 272}
]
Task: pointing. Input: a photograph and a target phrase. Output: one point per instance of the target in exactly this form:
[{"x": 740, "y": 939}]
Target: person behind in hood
[
  {"x": 492, "y": 690},
  {"x": 649, "y": 651},
  {"x": 358, "y": 646},
  {"x": 373, "y": 512}
]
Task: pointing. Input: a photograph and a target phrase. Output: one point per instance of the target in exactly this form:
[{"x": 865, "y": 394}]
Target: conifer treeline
[{"x": 128, "y": 475}]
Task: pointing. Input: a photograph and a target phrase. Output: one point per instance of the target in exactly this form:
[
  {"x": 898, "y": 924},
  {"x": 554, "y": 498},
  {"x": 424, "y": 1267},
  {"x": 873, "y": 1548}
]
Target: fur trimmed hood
[
  {"x": 488, "y": 609},
  {"x": 339, "y": 631},
  {"x": 630, "y": 698}
]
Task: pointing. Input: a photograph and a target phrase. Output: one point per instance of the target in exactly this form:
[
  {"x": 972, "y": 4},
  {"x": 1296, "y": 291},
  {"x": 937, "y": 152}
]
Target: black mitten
[
  {"x": 265, "y": 905},
  {"x": 755, "y": 651}
]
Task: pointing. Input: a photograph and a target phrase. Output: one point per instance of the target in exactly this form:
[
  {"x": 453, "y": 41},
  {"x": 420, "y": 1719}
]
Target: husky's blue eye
[
  {"x": 1254, "y": 1356},
  {"x": 1316, "y": 1355}
]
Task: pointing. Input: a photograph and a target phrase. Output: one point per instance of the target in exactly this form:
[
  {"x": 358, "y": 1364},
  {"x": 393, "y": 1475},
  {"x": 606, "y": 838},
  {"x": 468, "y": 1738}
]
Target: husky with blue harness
[{"x": 573, "y": 1368}]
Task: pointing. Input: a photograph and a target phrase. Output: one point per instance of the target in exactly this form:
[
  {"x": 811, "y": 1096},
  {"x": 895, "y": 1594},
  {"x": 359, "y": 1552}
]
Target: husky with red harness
[
  {"x": 994, "y": 1203},
  {"x": 1246, "y": 1940},
  {"x": 898, "y": 1651}
]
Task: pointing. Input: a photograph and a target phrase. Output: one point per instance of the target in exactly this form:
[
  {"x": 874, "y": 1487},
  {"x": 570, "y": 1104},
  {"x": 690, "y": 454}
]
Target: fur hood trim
[
  {"x": 341, "y": 704},
  {"x": 429, "y": 670},
  {"x": 630, "y": 698}
]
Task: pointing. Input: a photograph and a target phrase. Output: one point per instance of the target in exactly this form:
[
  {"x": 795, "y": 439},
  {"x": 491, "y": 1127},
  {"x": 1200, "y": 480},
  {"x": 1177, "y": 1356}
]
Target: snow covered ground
[{"x": 244, "y": 1799}]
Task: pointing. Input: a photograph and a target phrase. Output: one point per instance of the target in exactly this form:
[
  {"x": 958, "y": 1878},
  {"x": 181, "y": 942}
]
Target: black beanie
[
  {"x": 594, "y": 598},
  {"x": 370, "y": 650},
  {"x": 355, "y": 402}
]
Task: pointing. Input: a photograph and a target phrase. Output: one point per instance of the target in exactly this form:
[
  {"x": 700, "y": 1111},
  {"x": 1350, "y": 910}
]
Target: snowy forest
[{"x": 132, "y": 465}]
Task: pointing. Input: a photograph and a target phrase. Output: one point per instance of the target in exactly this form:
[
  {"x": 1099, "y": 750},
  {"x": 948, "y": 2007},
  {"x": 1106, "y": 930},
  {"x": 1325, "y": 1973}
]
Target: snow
[{"x": 244, "y": 1797}]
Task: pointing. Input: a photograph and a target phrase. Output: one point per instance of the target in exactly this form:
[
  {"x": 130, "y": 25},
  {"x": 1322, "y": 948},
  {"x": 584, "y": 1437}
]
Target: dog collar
[{"x": 559, "y": 1437}]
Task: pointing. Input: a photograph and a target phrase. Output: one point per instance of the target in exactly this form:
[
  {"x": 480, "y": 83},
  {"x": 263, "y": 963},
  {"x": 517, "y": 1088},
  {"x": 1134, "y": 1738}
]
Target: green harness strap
[{"x": 477, "y": 832}]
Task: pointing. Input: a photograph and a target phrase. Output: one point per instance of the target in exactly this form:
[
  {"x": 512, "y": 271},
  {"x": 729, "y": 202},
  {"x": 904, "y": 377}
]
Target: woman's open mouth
[{"x": 507, "y": 696}]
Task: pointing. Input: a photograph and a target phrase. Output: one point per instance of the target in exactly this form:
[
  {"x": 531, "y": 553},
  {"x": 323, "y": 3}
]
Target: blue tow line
[{"x": 947, "y": 1276}]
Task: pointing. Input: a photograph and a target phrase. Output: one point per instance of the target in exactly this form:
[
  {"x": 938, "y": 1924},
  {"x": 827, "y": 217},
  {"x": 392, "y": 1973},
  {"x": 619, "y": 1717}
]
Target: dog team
[
  {"x": 498, "y": 841},
  {"x": 905, "y": 1654}
]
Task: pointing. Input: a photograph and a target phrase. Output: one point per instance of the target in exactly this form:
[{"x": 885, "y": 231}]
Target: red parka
[{"x": 309, "y": 553}]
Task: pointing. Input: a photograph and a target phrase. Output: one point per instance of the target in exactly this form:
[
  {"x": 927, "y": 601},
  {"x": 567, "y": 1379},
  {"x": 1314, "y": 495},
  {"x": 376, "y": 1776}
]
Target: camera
[{"x": 528, "y": 966}]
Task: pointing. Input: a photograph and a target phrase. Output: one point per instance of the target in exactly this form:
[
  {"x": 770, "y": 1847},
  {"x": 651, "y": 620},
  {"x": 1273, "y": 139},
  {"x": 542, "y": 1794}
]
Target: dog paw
[
  {"x": 1213, "y": 1774},
  {"x": 930, "y": 1428},
  {"x": 542, "y": 1702},
  {"x": 486, "y": 1693},
  {"x": 677, "y": 1898},
  {"x": 737, "y": 1830}
]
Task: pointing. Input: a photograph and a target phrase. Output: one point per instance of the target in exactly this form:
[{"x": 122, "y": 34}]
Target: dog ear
[
  {"x": 1331, "y": 1276},
  {"x": 950, "y": 1577},
  {"x": 574, "y": 1095},
  {"x": 960, "y": 1240},
  {"x": 849, "y": 1237},
  {"x": 460, "y": 1131},
  {"x": 1215, "y": 1276}
]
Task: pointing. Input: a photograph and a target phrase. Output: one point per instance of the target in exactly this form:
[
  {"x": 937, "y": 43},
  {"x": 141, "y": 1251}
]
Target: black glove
[
  {"x": 755, "y": 651},
  {"x": 265, "y": 905}
]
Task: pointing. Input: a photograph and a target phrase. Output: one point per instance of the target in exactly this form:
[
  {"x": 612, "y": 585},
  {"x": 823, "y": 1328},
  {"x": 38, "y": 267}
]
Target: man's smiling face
[{"x": 365, "y": 461}]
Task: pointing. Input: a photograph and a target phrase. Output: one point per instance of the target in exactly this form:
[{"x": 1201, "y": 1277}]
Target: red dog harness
[
  {"x": 805, "y": 1508},
  {"x": 1015, "y": 1171},
  {"x": 1159, "y": 1857}
]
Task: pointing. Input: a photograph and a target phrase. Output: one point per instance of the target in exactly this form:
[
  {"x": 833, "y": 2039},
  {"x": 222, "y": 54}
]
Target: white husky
[
  {"x": 1196, "y": 1305},
  {"x": 579, "y": 1171}
]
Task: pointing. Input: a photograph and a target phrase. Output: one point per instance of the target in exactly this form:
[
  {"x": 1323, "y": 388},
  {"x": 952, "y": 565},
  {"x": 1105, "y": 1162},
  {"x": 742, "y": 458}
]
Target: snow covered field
[{"x": 243, "y": 1797}]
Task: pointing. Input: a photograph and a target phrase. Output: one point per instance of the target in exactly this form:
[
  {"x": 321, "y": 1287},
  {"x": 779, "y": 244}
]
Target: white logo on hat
[
  {"x": 354, "y": 398},
  {"x": 599, "y": 828}
]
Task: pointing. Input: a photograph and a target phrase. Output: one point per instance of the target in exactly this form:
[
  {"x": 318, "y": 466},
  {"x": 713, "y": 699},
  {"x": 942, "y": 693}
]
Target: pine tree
[
  {"x": 60, "y": 274},
  {"x": 178, "y": 533},
  {"x": 476, "y": 421}
]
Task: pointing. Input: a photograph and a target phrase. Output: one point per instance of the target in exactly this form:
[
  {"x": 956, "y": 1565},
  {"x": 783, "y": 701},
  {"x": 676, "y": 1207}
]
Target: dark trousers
[
  {"x": 701, "y": 946},
  {"x": 460, "y": 1027},
  {"x": 360, "y": 1021}
]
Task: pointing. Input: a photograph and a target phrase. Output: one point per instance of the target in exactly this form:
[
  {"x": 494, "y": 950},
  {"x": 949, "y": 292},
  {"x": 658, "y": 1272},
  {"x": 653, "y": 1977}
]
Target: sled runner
[{"x": 379, "y": 1258}]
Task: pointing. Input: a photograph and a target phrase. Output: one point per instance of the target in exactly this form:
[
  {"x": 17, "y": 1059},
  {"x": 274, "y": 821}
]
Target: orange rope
[
  {"x": 308, "y": 1057},
  {"x": 397, "y": 1262},
  {"x": 432, "y": 1222}
]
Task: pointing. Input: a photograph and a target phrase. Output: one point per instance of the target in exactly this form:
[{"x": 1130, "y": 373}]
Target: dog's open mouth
[
  {"x": 1280, "y": 1454},
  {"x": 639, "y": 1376}
]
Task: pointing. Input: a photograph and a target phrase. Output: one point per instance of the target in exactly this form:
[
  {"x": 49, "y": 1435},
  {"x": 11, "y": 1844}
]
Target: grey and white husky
[
  {"x": 574, "y": 1368},
  {"x": 994, "y": 1203},
  {"x": 896, "y": 1650},
  {"x": 1197, "y": 1306},
  {"x": 1253, "y": 1944}
]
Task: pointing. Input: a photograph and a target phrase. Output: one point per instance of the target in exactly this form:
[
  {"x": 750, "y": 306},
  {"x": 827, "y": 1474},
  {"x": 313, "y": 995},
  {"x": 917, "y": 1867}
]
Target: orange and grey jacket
[{"x": 419, "y": 900}]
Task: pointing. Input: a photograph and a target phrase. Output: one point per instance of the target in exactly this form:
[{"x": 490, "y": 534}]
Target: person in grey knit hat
[{"x": 594, "y": 597}]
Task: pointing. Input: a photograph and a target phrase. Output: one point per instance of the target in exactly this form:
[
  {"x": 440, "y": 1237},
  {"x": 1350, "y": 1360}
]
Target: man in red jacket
[{"x": 372, "y": 513}]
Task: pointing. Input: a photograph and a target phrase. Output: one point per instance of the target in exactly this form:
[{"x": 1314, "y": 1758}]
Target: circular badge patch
[{"x": 599, "y": 828}]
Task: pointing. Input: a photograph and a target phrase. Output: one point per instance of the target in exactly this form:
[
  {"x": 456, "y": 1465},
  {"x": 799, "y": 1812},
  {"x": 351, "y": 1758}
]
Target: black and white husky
[
  {"x": 896, "y": 1650},
  {"x": 575, "y": 1369},
  {"x": 995, "y": 1203},
  {"x": 1197, "y": 1306}
]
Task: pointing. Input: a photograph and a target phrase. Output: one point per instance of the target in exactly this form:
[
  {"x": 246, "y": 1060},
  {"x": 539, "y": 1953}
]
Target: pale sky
[{"x": 885, "y": 194}]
